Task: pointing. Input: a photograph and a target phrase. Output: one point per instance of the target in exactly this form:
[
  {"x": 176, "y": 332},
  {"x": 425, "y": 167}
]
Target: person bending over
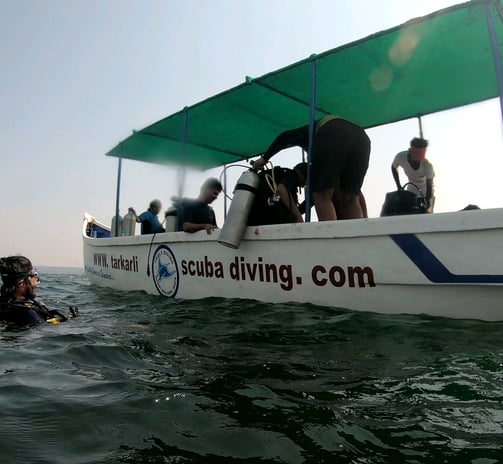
[
  {"x": 418, "y": 169},
  {"x": 339, "y": 162}
]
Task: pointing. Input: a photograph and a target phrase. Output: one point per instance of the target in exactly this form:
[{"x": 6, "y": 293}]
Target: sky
[{"x": 78, "y": 76}]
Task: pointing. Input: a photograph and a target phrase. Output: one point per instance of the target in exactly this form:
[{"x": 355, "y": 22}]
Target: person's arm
[
  {"x": 429, "y": 195},
  {"x": 191, "y": 227},
  {"x": 288, "y": 200},
  {"x": 396, "y": 177},
  {"x": 287, "y": 139},
  {"x": 137, "y": 218}
]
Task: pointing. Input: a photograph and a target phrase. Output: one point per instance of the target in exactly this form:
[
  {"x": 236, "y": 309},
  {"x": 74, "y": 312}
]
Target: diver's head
[
  {"x": 210, "y": 190},
  {"x": 301, "y": 171},
  {"x": 155, "y": 206},
  {"x": 19, "y": 278}
]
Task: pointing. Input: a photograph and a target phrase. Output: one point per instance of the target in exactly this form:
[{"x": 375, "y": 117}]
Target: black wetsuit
[
  {"x": 27, "y": 312},
  {"x": 264, "y": 209}
]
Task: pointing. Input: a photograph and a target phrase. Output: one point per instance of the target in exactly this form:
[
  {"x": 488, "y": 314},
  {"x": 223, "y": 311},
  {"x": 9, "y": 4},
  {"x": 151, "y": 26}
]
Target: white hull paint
[{"x": 448, "y": 264}]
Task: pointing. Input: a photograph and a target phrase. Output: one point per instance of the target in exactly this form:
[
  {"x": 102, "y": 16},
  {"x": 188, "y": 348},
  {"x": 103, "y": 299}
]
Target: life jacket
[{"x": 28, "y": 312}]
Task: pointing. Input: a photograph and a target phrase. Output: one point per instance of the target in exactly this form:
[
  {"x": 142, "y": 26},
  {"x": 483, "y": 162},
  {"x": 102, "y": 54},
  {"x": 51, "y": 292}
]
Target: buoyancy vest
[{"x": 28, "y": 312}]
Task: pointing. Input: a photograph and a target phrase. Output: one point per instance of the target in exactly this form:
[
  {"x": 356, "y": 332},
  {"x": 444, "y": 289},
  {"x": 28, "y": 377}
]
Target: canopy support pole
[
  {"x": 118, "y": 193},
  {"x": 312, "y": 114},
  {"x": 420, "y": 122},
  {"x": 225, "y": 192},
  {"x": 496, "y": 54},
  {"x": 182, "y": 171},
  {"x": 287, "y": 95}
]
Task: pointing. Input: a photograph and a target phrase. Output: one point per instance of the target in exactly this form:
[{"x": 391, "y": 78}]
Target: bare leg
[
  {"x": 323, "y": 204},
  {"x": 352, "y": 207}
]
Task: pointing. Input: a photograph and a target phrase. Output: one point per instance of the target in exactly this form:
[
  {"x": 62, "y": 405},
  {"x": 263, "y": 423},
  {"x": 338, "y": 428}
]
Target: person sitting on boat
[
  {"x": 17, "y": 295},
  {"x": 418, "y": 170},
  {"x": 340, "y": 158},
  {"x": 197, "y": 214},
  {"x": 149, "y": 221},
  {"x": 276, "y": 200}
]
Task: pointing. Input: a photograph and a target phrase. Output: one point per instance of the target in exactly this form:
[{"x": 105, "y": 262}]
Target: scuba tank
[
  {"x": 170, "y": 217},
  {"x": 129, "y": 223},
  {"x": 235, "y": 224},
  {"x": 112, "y": 228}
]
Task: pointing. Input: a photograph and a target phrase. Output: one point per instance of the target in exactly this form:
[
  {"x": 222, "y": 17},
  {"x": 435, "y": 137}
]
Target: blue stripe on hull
[{"x": 432, "y": 268}]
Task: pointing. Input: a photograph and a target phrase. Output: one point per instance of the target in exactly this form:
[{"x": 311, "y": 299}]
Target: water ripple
[{"x": 142, "y": 379}]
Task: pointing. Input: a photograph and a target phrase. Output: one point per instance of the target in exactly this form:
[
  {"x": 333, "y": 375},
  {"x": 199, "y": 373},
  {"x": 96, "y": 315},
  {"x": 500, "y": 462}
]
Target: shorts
[{"x": 340, "y": 157}]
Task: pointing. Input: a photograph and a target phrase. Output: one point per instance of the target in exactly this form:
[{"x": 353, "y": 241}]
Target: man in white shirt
[{"x": 418, "y": 170}]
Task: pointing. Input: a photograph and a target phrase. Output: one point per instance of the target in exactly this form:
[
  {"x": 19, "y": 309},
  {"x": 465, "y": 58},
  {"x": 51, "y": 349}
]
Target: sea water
[{"x": 145, "y": 379}]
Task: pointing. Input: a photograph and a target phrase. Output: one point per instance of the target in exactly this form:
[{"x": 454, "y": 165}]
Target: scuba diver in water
[{"x": 17, "y": 295}]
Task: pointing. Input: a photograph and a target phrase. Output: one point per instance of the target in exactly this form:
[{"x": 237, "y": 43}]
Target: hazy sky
[{"x": 78, "y": 76}]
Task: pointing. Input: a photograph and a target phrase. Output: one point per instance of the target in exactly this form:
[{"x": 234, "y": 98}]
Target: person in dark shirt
[
  {"x": 339, "y": 163},
  {"x": 17, "y": 295},
  {"x": 276, "y": 200},
  {"x": 197, "y": 214},
  {"x": 149, "y": 221}
]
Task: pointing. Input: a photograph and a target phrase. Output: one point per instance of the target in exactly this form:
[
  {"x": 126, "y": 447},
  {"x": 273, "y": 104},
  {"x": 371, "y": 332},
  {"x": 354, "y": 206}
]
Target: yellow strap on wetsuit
[
  {"x": 54, "y": 320},
  {"x": 271, "y": 182},
  {"x": 324, "y": 120}
]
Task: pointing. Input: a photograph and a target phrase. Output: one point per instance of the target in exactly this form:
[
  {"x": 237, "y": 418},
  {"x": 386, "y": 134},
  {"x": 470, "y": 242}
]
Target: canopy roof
[{"x": 437, "y": 62}]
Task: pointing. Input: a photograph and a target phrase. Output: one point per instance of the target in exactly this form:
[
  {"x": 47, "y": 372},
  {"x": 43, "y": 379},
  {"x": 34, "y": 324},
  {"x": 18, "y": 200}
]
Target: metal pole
[
  {"x": 420, "y": 126},
  {"x": 117, "y": 197},
  {"x": 225, "y": 192},
  {"x": 181, "y": 180},
  {"x": 496, "y": 54},
  {"x": 312, "y": 113}
]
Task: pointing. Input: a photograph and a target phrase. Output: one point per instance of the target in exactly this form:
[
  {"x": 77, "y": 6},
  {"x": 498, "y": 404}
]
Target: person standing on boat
[
  {"x": 17, "y": 295},
  {"x": 276, "y": 201},
  {"x": 149, "y": 221},
  {"x": 418, "y": 170},
  {"x": 339, "y": 162},
  {"x": 197, "y": 214}
]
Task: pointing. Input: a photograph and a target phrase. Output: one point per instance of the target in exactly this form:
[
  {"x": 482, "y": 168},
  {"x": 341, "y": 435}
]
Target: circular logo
[{"x": 165, "y": 271}]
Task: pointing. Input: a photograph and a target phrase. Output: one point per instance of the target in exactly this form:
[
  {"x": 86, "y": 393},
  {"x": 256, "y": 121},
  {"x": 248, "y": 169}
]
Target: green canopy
[{"x": 434, "y": 63}]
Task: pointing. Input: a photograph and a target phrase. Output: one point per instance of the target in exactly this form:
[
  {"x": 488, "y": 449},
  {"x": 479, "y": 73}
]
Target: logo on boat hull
[{"x": 165, "y": 271}]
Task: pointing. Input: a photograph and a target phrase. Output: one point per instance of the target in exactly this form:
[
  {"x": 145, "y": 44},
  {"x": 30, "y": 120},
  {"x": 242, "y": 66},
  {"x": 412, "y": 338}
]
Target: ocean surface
[{"x": 143, "y": 379}]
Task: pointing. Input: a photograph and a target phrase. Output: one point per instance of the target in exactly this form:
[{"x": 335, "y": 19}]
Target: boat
[{"x": 441, "y": 264}]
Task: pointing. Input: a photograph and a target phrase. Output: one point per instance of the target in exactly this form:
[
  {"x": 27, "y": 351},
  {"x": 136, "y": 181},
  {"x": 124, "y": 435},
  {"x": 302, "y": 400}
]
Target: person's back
[{"x": 149, "y": 223}]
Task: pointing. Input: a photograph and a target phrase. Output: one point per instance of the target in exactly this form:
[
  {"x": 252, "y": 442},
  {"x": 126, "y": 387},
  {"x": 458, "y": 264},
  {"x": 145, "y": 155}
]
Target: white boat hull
[{"x": 448, "y": 264}]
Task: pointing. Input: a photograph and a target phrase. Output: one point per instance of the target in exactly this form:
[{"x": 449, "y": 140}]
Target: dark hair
[
  {"x": 13, "y": 269},
  {"x": 417, "y": 142},
  {"x": 212, "y": 183}
]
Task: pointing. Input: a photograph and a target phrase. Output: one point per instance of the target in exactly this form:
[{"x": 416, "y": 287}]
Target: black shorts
[{"x": 340, "y": 157}]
